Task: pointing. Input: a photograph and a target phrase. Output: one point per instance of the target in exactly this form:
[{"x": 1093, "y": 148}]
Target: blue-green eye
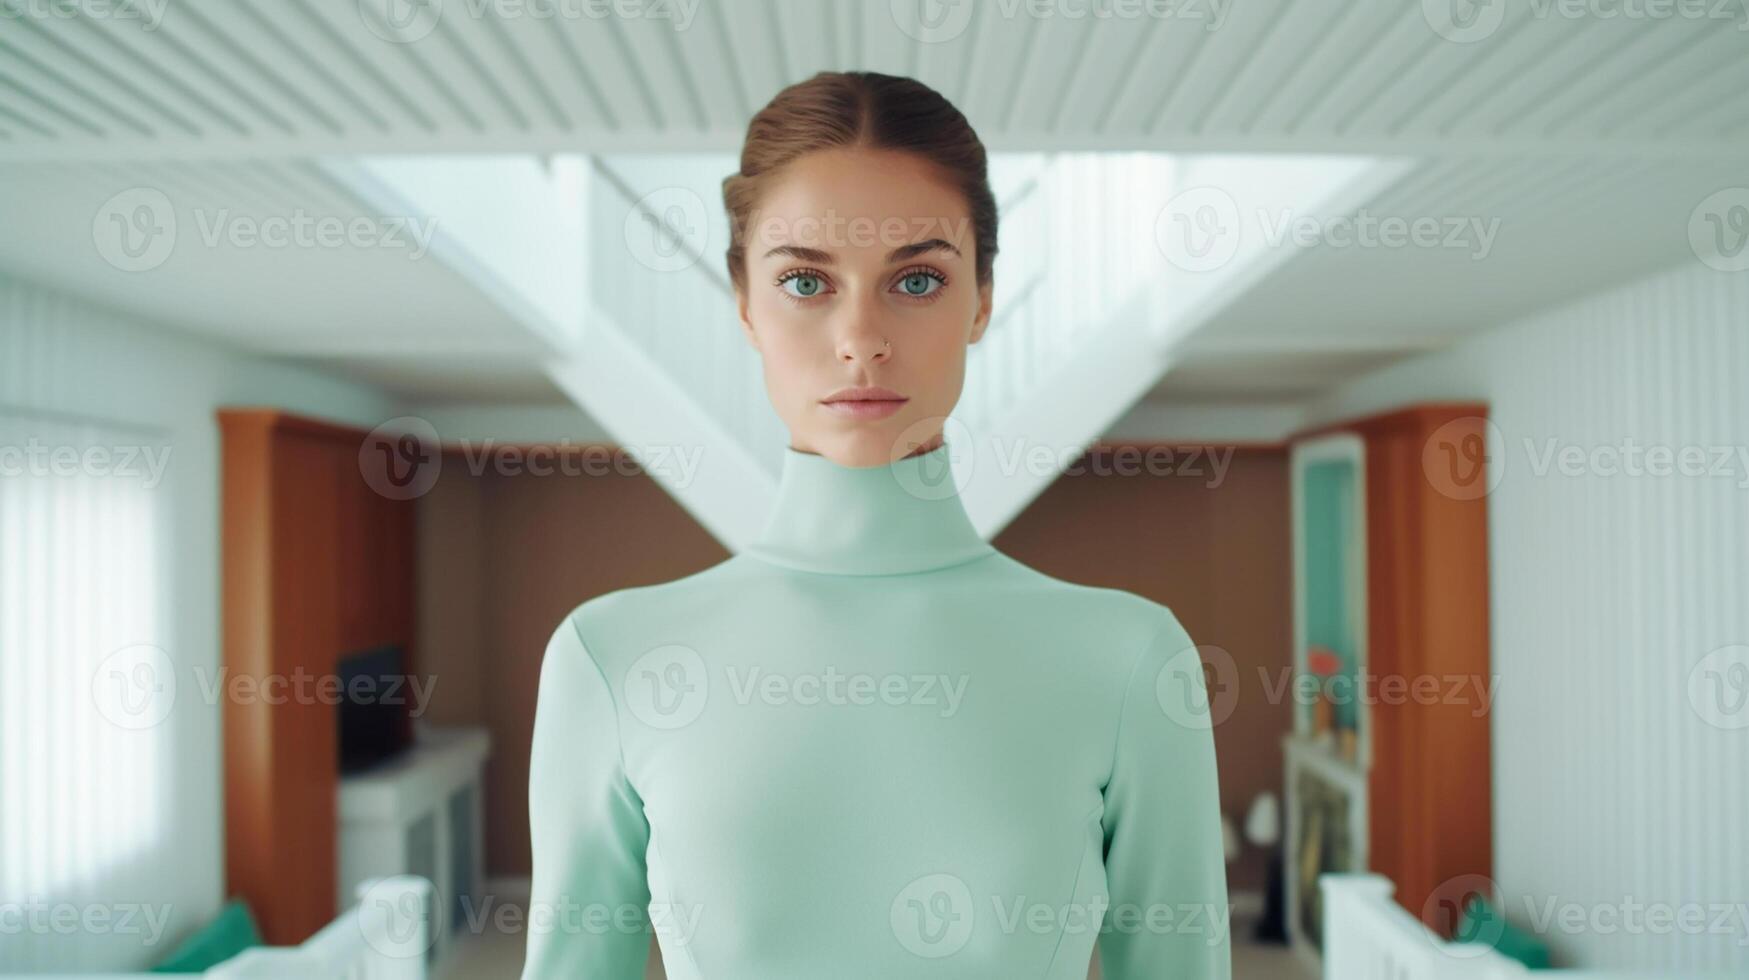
[
  {"x": 920, "y": 284},
  {"x": 806, "y": 285}
]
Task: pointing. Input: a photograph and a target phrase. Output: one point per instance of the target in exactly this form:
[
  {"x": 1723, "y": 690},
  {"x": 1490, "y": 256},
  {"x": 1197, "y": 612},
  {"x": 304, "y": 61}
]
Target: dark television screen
[{"x": 375, "y": 713}]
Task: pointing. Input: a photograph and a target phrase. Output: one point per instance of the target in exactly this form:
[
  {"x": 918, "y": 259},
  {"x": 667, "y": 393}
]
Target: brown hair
[{"x": 860, "y": 109}]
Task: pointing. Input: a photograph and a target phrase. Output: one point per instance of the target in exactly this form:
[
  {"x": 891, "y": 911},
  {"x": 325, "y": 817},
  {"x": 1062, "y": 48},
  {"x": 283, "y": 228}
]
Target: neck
[{"x": 897, "y": 517}]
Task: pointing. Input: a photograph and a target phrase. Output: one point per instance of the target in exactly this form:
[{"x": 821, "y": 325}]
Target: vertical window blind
[{"x": 87, "y": 688}]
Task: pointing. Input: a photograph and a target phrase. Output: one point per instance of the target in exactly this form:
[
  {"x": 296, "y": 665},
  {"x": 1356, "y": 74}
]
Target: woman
[{"x": 871, "y": 745}]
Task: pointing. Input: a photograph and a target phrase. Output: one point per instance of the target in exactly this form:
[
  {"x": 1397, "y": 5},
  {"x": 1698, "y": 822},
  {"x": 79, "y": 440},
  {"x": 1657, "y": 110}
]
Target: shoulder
[
  {"x": 634, "y": 616},
  {"x": 1121, "y": 620},
  {"x": 1112, "y": 638}
]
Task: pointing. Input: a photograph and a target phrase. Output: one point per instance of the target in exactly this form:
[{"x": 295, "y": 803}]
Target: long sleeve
[
  {"x": 589, "y": 896},
  {"x": 1164, "y": 852}
]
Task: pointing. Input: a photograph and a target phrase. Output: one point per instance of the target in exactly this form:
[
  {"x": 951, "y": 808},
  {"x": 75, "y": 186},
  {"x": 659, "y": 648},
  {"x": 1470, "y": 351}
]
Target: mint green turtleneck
[{"x": 872, "y": 746}]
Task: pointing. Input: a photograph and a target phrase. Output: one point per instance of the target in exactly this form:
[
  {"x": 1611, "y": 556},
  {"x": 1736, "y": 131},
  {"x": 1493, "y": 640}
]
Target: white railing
[
  {"x": 384, "y": 937},
  {"x": 1368, "y": 936},
  {"x": 656, "y": 274}
]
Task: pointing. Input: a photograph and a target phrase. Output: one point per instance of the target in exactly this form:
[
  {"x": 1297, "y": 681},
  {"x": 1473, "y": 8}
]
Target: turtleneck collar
[{"x": 898, "y": 517}]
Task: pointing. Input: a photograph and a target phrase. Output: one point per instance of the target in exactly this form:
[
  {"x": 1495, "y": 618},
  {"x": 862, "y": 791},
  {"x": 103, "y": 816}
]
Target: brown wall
[{"x": 503, "y": 557}]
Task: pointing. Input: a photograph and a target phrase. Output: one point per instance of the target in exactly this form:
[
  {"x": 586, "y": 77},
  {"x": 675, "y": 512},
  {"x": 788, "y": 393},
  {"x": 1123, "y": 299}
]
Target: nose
[
  {"x": 861, "y": 335},
  {"x": 868, "y": 347}
]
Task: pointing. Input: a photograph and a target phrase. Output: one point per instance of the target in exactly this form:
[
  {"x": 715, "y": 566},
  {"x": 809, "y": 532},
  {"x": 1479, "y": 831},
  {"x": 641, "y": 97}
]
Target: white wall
[
  {"x": 1609, "y": 591},
  {"x": 60, "y": 355}
]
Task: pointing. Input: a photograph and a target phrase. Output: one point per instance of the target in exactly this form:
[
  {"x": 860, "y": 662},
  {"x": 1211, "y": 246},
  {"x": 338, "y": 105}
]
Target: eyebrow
[{"x": 896, "y": 255}]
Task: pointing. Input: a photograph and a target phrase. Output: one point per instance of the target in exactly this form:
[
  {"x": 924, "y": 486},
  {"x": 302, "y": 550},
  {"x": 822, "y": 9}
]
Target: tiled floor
[{"x": 498, "y": 956}]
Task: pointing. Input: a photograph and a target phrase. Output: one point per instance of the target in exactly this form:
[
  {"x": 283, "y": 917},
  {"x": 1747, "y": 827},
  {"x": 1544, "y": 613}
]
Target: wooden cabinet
[
  {"x": 315, "y": 564},
  {"x": 1423, "y": 750},
  {"x": 1427, "y": 587}
]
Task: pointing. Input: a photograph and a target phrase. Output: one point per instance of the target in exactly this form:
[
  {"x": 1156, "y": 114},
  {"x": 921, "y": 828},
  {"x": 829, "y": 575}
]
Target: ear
[
  {"x": 741, "y": 312},
  {"x": 985, "y": 298}
]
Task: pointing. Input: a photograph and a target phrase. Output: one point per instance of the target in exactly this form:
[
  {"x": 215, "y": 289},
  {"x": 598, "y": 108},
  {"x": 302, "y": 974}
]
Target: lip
[{"x": 865, "y": 402}]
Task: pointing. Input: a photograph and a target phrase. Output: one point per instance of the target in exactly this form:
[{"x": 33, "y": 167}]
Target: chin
[{"x": 867, "y": 443}]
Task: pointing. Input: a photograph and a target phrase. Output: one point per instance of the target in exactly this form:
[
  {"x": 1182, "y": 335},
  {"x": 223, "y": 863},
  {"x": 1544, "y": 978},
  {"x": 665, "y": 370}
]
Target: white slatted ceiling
[{"x": 300, "y": 76}]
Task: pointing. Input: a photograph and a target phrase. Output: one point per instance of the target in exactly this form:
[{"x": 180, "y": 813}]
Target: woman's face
[{"x": 861, "y": 273}]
